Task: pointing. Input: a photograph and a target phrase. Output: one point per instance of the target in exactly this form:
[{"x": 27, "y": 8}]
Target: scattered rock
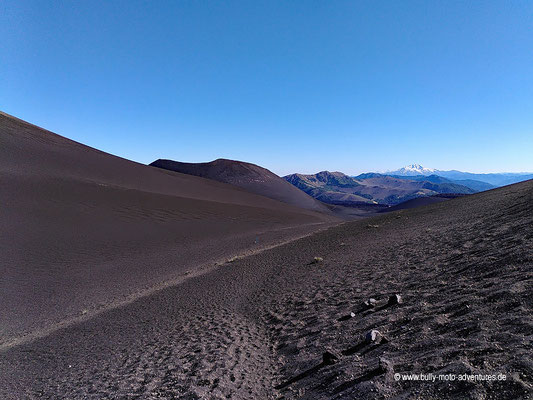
[
  {"x": 373, "y": 336},
  {"x": 370, "y": 303},
  {"x": 317, "y": 260},
  {"x": 329, "y": 358},
  {"x": 395, "y": 299}
]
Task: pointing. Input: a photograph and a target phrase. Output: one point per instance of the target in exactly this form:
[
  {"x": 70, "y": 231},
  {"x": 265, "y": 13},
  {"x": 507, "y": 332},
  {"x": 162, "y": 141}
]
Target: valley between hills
[{"x": 222, "y": 280}]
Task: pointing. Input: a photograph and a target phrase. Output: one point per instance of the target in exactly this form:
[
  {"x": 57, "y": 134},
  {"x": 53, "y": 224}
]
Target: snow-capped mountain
[
  {"x": 413, "y": 170},
  {"x": 469, "y": 179}
]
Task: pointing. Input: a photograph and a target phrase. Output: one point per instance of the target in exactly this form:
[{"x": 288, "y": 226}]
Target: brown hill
[{"x": 250, "y": 177}]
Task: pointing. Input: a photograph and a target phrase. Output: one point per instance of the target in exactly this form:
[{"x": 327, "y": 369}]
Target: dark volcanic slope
[
  {"x": 82, "y": 230},
  {"x": 250, "y": 177},
  {"x": 257, "y": 327},
  {"x": 419, "y": 202}
]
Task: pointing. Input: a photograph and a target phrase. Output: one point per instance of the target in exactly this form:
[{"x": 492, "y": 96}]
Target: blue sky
[{"x": 295, "y": 86}]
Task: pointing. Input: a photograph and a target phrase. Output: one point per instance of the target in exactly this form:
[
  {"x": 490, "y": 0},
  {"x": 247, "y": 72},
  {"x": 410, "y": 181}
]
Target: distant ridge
[{"x": 247, "y": 176}]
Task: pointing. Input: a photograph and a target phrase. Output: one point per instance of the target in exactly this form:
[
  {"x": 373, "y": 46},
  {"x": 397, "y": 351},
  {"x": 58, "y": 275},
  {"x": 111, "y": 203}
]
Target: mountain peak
[
  {"x": 418, "y": 167},
  {"x": 413, "y": 169}
]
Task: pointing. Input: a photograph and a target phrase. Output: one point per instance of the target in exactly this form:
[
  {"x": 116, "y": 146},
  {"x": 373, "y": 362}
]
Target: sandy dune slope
[{"x": 82, "y": 230}]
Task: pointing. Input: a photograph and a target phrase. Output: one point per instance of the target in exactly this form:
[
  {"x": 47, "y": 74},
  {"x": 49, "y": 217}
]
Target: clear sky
[{"x": 295, "y": 86}]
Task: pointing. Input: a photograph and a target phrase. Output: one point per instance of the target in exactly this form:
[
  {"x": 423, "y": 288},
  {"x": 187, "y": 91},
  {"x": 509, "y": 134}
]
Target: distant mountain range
[
  {"x": 494, "y": 179},
  {"x": 395, "y": 187},
  {"x": 323, "y": 190},
  {"x": 341, "y": 189}
]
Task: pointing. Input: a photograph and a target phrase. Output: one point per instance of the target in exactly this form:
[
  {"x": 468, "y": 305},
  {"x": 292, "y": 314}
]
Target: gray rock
[
  {"x": 373, "y": 336},
  {"x": 370, "y": 303}
]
